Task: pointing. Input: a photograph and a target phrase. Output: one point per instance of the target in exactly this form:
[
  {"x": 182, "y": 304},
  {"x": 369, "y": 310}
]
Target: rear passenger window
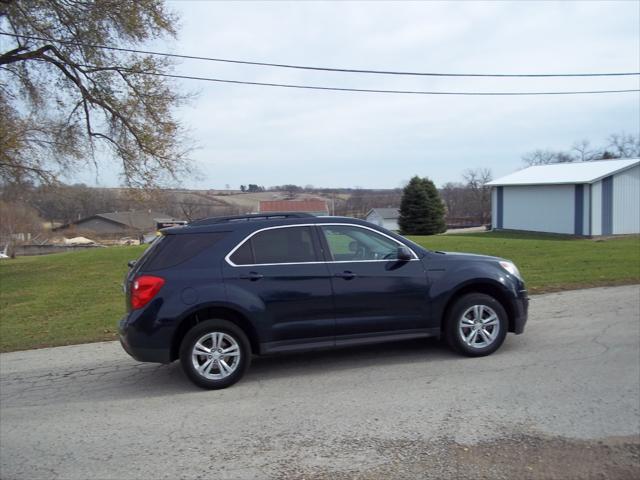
[
  {"x": 176, "y": 249},
  {"x": 278, "y": 245}
]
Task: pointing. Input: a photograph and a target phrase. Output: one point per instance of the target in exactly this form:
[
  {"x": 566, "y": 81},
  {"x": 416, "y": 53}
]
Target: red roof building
[{"x": 314, "y": 206}]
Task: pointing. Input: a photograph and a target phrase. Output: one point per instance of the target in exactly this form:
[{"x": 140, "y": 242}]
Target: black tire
[
  {"x": 452, "y": 330},
  {"x": 229, "y": 332}
]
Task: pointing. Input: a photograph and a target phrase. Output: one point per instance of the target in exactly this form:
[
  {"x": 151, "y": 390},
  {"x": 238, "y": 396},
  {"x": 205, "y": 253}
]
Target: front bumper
[{"x": 520, "y": 307}]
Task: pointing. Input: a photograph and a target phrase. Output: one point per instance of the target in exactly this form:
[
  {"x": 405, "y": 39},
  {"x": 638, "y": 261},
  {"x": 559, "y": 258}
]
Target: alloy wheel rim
[
  {"x": 216, "y": 355},
  {"x": 479, "y": 326}
]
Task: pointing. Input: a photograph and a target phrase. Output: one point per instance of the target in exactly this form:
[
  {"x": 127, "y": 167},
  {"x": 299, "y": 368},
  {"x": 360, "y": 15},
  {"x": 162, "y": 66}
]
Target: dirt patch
[
  {"x": 551, "y": 458},
  {"x": 522, "y": 457}
]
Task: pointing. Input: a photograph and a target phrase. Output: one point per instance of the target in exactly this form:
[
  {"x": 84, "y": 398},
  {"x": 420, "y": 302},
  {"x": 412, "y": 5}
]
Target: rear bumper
[
  {"x": 520, "y": 312},
  {"x": 130, "y": 339}
]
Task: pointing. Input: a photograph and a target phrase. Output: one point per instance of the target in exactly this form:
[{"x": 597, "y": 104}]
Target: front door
[{"x": 374, "y": 292}]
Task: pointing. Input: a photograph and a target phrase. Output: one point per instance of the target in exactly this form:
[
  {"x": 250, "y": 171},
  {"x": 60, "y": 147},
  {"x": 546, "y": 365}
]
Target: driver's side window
[{"x": 348, "y": 243}]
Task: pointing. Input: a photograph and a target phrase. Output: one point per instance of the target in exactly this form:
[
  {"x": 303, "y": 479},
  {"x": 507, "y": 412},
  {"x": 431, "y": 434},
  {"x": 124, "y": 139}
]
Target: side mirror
[
  {"x": 404, "y": 254},
  {"x": 131, "y": 263}
]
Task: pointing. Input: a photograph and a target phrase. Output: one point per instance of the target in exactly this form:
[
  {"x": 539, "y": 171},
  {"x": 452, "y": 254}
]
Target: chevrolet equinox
[{"x": 219, "y": 290}]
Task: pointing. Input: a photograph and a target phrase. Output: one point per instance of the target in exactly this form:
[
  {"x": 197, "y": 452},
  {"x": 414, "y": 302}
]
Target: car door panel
[
  {"x": 290, "y": 285},
  {"x": 380, "y": 297},
  {"x": 374, "y": 296},
  {"x": 296, "y": 300}
]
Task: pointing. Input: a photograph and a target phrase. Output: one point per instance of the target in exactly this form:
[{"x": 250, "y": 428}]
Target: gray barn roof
[
  {"x": 143, "y": 220},
  {"x": 137, "y": 219},
  {"x": 566, "y": 173}
]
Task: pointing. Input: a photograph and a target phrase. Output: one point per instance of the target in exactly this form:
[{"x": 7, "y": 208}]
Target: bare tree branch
[{"x": 88, "y": 96}]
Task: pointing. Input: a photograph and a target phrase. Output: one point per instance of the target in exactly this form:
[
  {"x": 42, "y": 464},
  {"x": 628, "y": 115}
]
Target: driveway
[{"x": 560, "y": 401}]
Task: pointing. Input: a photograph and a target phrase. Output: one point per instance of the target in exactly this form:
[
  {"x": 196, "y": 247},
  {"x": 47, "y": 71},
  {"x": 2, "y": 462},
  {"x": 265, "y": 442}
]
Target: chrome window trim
[{"x": 244, "y": 240}]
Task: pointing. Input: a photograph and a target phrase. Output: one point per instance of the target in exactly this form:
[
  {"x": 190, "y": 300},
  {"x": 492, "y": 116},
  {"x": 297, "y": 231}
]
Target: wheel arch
[
  {"x": 208, "y": 312},
  {"x": 492, "y": 289}
]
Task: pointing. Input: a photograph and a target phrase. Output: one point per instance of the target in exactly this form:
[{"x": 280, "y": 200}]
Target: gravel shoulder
[{"x": 560, "y": 401}]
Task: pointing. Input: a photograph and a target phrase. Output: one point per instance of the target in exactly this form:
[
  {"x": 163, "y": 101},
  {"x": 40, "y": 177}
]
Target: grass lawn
[
  {"x": 63, "y": 298},
  {"x": 77, "y": 297},
  {"x": 552, "y": 262}
]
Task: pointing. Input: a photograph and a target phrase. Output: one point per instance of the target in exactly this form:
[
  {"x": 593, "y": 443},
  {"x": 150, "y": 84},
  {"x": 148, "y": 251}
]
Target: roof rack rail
[{"x": 250, "y": 217}]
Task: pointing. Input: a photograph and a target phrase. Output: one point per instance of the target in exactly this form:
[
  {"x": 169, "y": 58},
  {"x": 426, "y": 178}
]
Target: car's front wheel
[
  {"x": 215, "y": 354},
  {"x": 476, "y": 325}
]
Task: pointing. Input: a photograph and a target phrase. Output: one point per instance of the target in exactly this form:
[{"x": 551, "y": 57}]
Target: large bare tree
[
  {"x": 476, "y": 180},
  {"x": 65, "y": 102},
  {"x": 19, "y": 223}
]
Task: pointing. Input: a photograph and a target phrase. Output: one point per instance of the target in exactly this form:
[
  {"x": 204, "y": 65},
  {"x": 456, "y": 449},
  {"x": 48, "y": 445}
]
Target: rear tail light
[{"x": 143, "y": 289}]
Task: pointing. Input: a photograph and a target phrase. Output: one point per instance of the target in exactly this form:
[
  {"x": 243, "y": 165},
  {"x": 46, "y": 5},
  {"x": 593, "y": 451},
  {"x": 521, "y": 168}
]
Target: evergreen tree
[{"x": 421, "y": 209}]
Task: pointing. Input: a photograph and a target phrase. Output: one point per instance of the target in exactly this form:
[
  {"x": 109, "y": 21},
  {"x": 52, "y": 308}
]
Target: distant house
[
  {"x": 384, "y": 217},
  {"x": 586, "y": 198},
  {"x": 314, "y": 206},
  {"x": 136, "y": 221}
]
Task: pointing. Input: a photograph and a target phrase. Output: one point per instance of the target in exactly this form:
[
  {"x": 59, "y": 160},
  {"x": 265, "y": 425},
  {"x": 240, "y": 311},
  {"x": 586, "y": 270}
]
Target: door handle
[
  {"x": 253, "y": 276},
  {"x": 347, "y": 275}
]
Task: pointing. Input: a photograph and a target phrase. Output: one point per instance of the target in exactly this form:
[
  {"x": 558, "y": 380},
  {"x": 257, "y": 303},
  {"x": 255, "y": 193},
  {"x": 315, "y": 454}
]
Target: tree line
[
  {"x": 60, "y": 203},
  {"x": 616, "y": 145},
  {"x": 465, "y": 203}
]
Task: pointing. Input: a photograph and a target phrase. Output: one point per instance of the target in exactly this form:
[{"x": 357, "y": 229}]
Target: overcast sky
[{"x": 271, "y": 136}]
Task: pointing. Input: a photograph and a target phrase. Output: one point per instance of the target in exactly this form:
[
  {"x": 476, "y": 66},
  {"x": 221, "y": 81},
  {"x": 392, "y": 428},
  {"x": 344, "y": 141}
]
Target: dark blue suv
[{"x": 220, "y": 290}]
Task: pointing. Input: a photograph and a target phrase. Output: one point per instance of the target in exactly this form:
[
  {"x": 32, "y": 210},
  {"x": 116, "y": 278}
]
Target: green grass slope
[{"x": 63, "y": 298}]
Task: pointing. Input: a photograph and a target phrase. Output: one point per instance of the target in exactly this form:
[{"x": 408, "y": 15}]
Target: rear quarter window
[
  {"x": 177, "y": 249},
  {"x": 243, "y": 255},
  {"x": 277, "y": 245}
]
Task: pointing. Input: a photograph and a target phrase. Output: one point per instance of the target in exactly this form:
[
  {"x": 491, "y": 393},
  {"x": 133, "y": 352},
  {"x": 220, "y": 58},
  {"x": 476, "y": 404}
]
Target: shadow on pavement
[
  {"x": 169, "y": 379},
  {"x": 126, "y": 379}
]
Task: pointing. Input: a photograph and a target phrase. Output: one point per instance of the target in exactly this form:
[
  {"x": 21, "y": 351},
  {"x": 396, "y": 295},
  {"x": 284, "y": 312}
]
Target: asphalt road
[{"x": 560, "y": 401}]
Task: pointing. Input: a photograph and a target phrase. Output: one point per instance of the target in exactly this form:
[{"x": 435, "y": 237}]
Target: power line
[
  {"x": 339, "y": 89},
  {"x": 371, "y": 90},
  {"x": 324, "y": 69}
]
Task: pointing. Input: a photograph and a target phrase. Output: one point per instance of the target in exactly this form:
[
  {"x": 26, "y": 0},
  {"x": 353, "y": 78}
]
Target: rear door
[
  {"x": 374, "y": 292},
  {"x": 278, "y": 273}
]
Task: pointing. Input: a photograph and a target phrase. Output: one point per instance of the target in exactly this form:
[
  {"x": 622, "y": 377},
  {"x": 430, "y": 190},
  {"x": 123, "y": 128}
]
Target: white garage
[
  {"x": 586, "y": 198},
  {"x": 384, "y": 217}
]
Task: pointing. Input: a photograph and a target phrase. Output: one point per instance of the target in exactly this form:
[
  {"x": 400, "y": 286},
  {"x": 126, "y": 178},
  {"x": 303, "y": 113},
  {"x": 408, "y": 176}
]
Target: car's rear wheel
[
  {"x": 476, "y": 325},
  {"x": 215, "y": 354}
]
